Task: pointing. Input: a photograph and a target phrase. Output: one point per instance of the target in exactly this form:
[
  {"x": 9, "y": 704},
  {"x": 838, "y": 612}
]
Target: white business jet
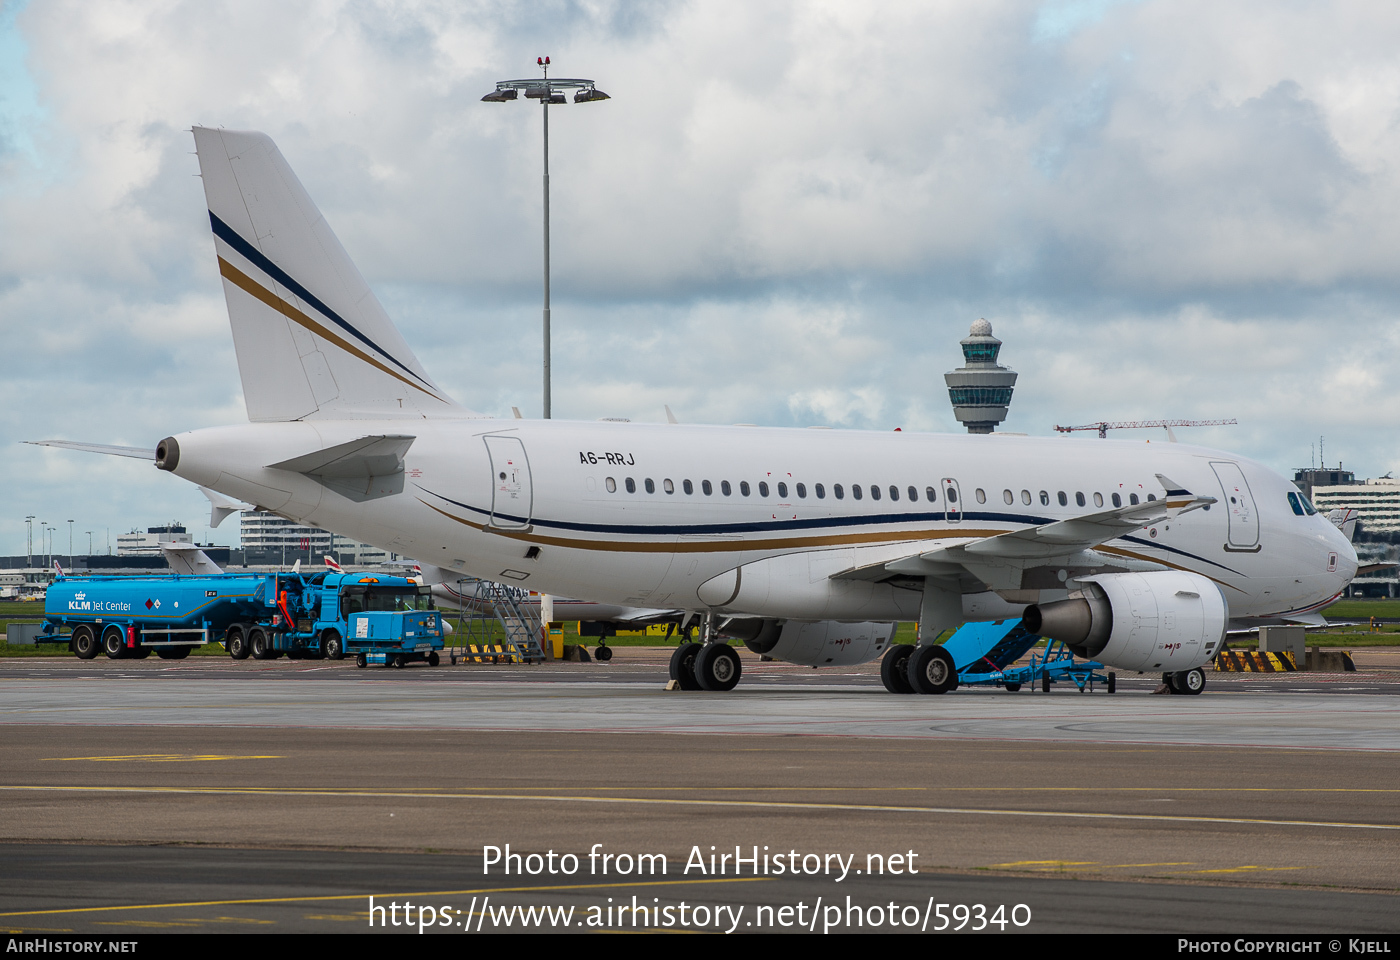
[{"x": 806, "y": 544}]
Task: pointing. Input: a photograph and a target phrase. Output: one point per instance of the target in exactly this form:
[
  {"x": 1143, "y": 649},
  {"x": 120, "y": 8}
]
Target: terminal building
[{"x": 981, "y": 388}]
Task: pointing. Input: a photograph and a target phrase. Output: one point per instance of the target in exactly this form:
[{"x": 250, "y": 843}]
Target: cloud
[{"x": 788, "y": 213}]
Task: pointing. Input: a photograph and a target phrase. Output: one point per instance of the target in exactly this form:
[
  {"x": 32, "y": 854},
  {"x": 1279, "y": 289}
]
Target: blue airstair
[{"x": 983, "y": 654}]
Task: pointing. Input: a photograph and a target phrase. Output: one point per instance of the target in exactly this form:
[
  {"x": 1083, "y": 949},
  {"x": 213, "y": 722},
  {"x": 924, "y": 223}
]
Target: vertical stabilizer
[{"x": 312, "y": 340}]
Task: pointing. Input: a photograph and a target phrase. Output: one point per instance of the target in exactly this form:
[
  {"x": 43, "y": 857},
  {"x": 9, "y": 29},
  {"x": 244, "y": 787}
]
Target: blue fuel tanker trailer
[{"x": 260, "y": 615}]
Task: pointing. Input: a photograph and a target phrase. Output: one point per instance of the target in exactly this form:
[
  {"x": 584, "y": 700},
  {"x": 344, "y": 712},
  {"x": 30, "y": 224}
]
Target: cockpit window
[
  {"x": 1307, "y": 505},
  {"x": 1293, "y": 502}
]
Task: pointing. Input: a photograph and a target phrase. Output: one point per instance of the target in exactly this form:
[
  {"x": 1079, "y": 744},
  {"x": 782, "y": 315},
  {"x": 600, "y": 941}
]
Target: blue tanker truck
[{"x": 372, "y": 617}]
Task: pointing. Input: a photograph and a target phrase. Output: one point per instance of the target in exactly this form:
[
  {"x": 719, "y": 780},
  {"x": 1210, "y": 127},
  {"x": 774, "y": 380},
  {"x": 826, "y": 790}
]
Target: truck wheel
[
  {"x": 361, "y": 660},
  {"x": 174, "y": 653},
  {"x": 398, "y": 661},
  {"x": 434, "y": 659},
  {"x": 114, "y": 642},
  {"x": 236, "y": 642},
  {"x": 258, "y": 644},
  {"x": 140, "y": 653},
  {"x": 332, "y": 647},
  {"x": 84, "y": 642}
]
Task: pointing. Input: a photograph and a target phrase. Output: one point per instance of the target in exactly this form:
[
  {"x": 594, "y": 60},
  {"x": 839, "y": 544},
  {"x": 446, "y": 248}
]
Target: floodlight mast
[{"x": 546, "y": 91}]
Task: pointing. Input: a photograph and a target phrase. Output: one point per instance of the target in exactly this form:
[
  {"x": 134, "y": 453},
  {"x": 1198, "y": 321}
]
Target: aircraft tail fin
[
  {"x": 1345, "y": 520},
  {"x": 312, "y": 340}
]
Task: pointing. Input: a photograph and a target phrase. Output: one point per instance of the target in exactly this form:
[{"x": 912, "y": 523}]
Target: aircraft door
[
  {"x": 512, "y": 492},
  {"x": 1239, "y": 505},
  {"x": 952, "y": 501}
]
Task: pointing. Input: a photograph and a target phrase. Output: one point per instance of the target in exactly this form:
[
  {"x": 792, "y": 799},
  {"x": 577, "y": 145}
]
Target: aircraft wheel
[
  {"x": 1190, "y": 682},
  {"x": 1112, "y": 683},
  {"x": 1012, "y": 687},
  {"x": 259, "y": 645},
  {"x": 931, "y": 670},
  {"x": 603, "y": 653},
  {"x": 434, "y": 659},
  {"x": 114, "y": 642},
  {"x": 894, "y": 669},
  {"x": 332, "y": 647},
  {"x": 1045, "y": 682},
  {"x": 84, "y": 642},
  {"x": 361, "y": 660},
  {"x": 683, "y": 665},
  {"x": 236, "y": 643},
  {"x": 717, "y": 667}
]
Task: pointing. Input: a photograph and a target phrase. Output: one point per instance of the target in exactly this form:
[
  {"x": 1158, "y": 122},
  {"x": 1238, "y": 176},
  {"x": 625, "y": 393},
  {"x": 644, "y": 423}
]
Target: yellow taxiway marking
[
  {"x": 173, "y": 757},
  {"x": 690, "y": 802},
  {"x": 1046, "y": 863},
  {"x": 1245, "y": 869},
  {"x": 387, "y": 896}
]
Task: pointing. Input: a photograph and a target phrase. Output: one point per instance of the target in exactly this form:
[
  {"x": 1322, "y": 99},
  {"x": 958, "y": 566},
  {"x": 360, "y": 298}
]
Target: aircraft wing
[
  {"x": 111, "y": 450},
  {"x": 1062, "y": 538}
]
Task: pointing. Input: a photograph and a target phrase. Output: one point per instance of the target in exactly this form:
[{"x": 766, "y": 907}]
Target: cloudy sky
[{"x": 787, "y": 214}]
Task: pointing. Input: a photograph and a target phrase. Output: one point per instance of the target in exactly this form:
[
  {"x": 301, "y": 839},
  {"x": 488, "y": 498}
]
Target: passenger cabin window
[
  {"x": 651, "y": 487},
  {"x": 1098, "y": 499},
  {"x": 1009, "y": 497},
  {"x": 894, "y": 492},
  {"x": 981, "y": 495},
  {"x": 762, "y": 489},
  {"x": 668, "y": 486},
  {"x": 706, "y": 488},
  {"x": 631, "y": 485},
  {"x": 932, "y": 494},
  {"x": 840, "y": 493},
  {"x": 725, "y": 488},
  {"x": 821, "y": 491},
  {"x": 1152, "y": 496},
  {"x": 782, "y": 491},
  {"x": 1026, "y": 497},
  {"x": 802, "y": 491},
  {"x": 874, "y": 492},
  {"x": 743, "y": 488},
  {"x": 913, "y": 493},
  {"x": 688, "y": 487},
  {"x": 1117, "y": 500},
  {"x": 1064, "y": 500},
  {"x": 1044, "y": 499},
  {"x": 855, "y": 490},
  {"x": 952, "y": 494},
  {"x": 1079, "y": 498},
  {"x": 611, "y": 484},
  {"x": 1133, "y": 499}
]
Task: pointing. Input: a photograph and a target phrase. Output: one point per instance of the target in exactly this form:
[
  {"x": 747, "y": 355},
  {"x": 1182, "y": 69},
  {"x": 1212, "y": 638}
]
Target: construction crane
[{"x": 1103, "y": 426}]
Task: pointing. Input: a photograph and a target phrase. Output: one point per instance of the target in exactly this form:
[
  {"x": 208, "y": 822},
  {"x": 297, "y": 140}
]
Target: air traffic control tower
[{"x": 980, "y": 389}]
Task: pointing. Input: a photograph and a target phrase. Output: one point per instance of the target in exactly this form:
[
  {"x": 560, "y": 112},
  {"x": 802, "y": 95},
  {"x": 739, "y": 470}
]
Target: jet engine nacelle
[
  {"x": 1164, "y": 620},
  {"x": 823, "y": 643}
]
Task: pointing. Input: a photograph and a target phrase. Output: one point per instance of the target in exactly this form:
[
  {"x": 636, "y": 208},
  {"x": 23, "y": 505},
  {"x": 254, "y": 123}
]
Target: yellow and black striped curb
[{"x": 1252, "y": 661}]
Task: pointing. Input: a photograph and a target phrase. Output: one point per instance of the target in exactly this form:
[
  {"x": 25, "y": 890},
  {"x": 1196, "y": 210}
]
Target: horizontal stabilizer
[
  {"x": 360, "y": 470},
  {"x": 221, "y": 506},
  {"x": 111, "y": 450}
]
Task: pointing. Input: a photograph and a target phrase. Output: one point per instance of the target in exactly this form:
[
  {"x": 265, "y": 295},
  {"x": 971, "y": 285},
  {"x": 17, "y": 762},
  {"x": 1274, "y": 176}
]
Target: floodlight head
[
  {"x": 584, "y": 96},
  {"x": 499, "y": 96},
  {"x": 556, "y": 98}
]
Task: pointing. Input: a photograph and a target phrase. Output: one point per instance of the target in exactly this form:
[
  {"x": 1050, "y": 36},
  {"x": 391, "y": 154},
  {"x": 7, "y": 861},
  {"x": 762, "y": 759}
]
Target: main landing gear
[
  {"x": 1186, "y": 683},
  {"x": 712, "y": 665},
  {"x": 918, "y": 669}
]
